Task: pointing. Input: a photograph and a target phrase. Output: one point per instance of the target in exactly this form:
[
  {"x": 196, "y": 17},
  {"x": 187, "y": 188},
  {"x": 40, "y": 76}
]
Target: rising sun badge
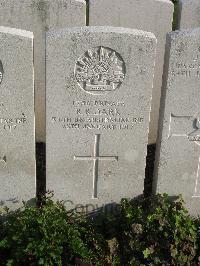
[{"x": 100, "y": 70}]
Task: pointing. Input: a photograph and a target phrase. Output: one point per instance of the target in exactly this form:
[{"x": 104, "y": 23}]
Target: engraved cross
[
  {"x": 187, "y": 126},
  {"x": 96, "y": 158}
]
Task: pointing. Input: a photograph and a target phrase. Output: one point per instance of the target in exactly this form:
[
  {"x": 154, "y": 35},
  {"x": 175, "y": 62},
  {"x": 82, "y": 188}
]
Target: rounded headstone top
[{"x": 98, "y": 29}]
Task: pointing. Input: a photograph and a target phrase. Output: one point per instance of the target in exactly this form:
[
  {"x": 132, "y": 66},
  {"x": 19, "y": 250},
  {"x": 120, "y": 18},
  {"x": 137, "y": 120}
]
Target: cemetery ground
[{"x": 143, "y": 231}]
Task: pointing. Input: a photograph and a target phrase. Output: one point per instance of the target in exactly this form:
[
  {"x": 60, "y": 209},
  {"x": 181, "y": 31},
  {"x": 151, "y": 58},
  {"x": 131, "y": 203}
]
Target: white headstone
[
  {"x": 189, "y": 14},
  {"x": 39, "y": 16},
  {"x": 17, "y": 125},
  {"x": 178, "y": 149},
  {"x": 153, "y": 16},
  {"x": 99, "y": 85}
]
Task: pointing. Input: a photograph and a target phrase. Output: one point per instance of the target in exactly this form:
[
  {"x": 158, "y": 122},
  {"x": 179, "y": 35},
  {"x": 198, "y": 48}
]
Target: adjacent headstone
[
  {"x": 189, "y": 14},
  {"x": 178, "y": 155},
  {"x": 39, "y": 16},
  {"x": 99, "y": 85},
  {"x": 154, "y": 16},
  {"x": 17, "y": 125}
]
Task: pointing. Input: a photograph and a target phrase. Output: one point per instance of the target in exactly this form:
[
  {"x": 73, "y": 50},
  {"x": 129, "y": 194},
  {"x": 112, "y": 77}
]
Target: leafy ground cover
[{"x": 143, "y": 231}]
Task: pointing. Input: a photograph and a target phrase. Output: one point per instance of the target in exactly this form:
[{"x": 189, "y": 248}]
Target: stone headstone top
[
  {"x": 153, "y": 16},
  {"x": 39, "y": 16},
  {"x": 178, "y": 147},
  {"x": 17, "y": 136},
  {"x": 189, "y": 14},
  {"x": 99, "y": 83}
]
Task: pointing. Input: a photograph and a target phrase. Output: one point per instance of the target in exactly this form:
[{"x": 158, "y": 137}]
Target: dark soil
[
  {"x": 151, "y": 149},
  {"x": 41, "y": 167}
]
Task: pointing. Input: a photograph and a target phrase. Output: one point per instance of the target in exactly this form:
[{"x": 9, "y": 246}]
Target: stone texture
[
  {"x": 189, "y": 14},
  {"x": 153, "y": 16},
  {"x": 178, "y": 150},
  {"x": 99, "y": 85},
  {"x": 39, "y": 16},
  {"x": 17, "y": 125}
]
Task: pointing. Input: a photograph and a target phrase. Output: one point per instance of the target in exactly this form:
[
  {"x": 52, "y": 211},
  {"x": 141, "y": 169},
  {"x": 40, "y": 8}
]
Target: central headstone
[
  {"x": 142, "y": 15},
  {"x": 99, "y": 84}
]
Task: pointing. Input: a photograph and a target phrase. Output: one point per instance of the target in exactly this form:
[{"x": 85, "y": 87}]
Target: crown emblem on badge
[{"x": 100, "y": 70}]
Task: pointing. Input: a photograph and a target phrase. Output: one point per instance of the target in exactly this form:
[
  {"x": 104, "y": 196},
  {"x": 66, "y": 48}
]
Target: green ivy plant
[
  {"x": 47, "y": 235},
  {"x": 144, "y": 231}
]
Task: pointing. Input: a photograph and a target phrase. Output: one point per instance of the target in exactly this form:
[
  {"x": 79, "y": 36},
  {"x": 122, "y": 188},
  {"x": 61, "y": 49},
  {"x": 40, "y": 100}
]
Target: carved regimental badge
[
  {"x": 185, "y": 126},
  {"x": 195, "y": 134},
  {"x": 1, "y": 72},
  {"x": 100, "y": 70}
]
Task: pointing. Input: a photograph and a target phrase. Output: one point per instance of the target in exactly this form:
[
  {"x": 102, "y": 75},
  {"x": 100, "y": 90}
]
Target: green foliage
[
  {"x": 154, "y": 231},
  {"x": 48, "y": 235},
  {"x": 146, "y": 231},
  {"x": 175, "y": 19}
]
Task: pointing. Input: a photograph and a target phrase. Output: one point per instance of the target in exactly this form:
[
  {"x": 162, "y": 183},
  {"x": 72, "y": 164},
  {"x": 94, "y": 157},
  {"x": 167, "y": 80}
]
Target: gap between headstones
[{"x": 87, "y": 12}]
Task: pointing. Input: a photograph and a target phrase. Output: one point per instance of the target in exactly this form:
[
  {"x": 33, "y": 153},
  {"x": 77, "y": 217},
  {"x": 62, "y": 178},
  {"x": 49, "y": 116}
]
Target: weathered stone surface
[
  {"x": 153, "y": 16},
  {"x": 17, "y": 129},
  {"x": 178, "y": 147},
  {"x": 189, "y": 14},
  {"x": 99, "y": 84},
  {"x": 39, "y": 16}
]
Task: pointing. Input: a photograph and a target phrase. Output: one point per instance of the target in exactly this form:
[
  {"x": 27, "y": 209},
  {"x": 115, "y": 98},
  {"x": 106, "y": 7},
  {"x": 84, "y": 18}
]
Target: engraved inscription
[
  {"x": 1, "y": 72},
  {"x": 10, "y": 123},
  {"x": 187, "y": 126},
  {"x": 96, "y": 158},
  {"x": 189, "y": 68},
  {"x": 100, "y": 70},
  {"x": 98, "y": 115}
]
